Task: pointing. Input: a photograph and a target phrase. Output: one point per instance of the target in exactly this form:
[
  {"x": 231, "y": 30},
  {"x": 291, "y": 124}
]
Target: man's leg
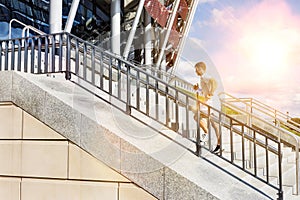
[
  {"x": 203, "y": 125},
  {"x": 216, "y": 128}
]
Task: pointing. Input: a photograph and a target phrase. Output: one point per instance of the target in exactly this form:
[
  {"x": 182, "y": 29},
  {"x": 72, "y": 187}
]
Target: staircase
[{"x": 264, "y": 158}]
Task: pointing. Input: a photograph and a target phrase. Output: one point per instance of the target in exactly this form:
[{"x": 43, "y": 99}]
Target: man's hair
[{"x": 201, "y": 65}]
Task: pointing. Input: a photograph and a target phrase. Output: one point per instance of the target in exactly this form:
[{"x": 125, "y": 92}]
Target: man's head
[{"x": 200, "y": 68}]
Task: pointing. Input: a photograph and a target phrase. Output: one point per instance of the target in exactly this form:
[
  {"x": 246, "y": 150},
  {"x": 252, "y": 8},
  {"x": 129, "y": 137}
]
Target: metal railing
[
  {"x": 137, "y": 90},
  {"x": 261, "y": 116},
  {"x": 266, "y": 111},
  {"x": 25, "y": 30}
]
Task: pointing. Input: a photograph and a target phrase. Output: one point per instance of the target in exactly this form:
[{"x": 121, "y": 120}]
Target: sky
[{"x": 252, "y": 47}]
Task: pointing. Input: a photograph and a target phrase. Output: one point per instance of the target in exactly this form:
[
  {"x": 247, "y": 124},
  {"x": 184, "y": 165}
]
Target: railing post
[
  {"x": 156, "y": 101},
  {"x": 12, "y": 60},
  {"x": 94, "y": 67},
  {"x": 39, "y": 61},
  {"x": 128, "y": 102},
  {"x": 249, "y": 131},
  {"x": 198, "y": 141},
  {"x": 297, "y": 168},
  {"x": 60, "y": 52},
  {"x": 167, "y": 107},
  {"x": 6, "y": 56},
  {"x": 280, "y": 192},
  {"x": 32, "y": 54},
  {"x": 68, "y": 58},
  {"x": 46, "y": 55},
  {"x": 138, "y": 90},
  {"x": 147, "y": 95},
  {"x": 53, "y": 49},
  {"x": 231, "y": 142},
  {"x": 187, "y": 119},
  {"x": 209, "y": 128}
]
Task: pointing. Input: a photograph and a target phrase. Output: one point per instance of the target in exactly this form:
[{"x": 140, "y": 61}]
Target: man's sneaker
[{"x": 217, "y": 149}]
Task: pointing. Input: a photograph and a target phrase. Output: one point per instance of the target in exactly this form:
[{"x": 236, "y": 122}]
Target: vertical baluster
[
  {"x": 76, "y": 58},
  {"x": 243, "y": 148},
  {"x": 32, "y": 55},
  {"x": 53, "y": 49},
  {"x": 209, "y": 126},
  {"x": 267, "y": 159},
  {"x": 60, "y": 52},
  {"x": 110, "y": 76},
  {"x": 101, "y": 70},
  {"x": 254, "y": 153},
  {"x": 128, "y": 104},
  {"x": 198, "y": 139},
  {"x": 280, "y": 192},
  {"x": 231, "y": 142},
  {"x": 176, "y": 111},
  {"x": 156, "y": 101},
  {"x": 84, "y": 60},
  {"x": 167, "y": 107},
  {"x": 138, "y": 90},
  {"x": 12, "y": 61},
  {"x": 220, "y": 133},
  {"x": 46, "y": 55},
  {"x": 19, "y": 55},
  {"x": 26, "y": 55},
  {"x": 187, "y": 118},
  {"x": 93, "y": 65},
  {"x": 119, "y": 80},
  {"x": 147, "y": 94},
  {"x": 6, "y": 55},
  {"x": 39, "y": 55},
  {"x": 68, "y": 58}
]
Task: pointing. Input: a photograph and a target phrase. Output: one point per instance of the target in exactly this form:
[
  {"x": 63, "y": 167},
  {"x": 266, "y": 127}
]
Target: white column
[
  {"x": 165, "y": 41},
  {"x": 71, "y": 16},
  {"x": 55, "y": 16},
  {"x": 133, "y": 28},
  {"x": 147, "y": 39},
  {"x": 115, "y": 15}
]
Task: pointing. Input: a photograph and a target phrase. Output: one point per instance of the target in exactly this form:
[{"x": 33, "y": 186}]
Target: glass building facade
[{"x": 92, "y": 16}]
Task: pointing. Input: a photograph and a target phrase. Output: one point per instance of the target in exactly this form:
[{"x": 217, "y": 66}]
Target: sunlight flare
[{"x": 267, "y": 52}]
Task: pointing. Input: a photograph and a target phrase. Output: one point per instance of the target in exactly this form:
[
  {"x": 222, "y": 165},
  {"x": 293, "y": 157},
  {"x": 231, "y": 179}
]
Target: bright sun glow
[{"x": 267, "y": 52}]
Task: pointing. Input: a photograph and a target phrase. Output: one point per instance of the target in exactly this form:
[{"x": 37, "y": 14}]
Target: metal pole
[
  {"x": 173, "y": 15},
  {"x": 192, "y": 8},
  {"x": 133, "y": 28},
  {"x": 55, "y": 16},
  {"x": 280, "y": 192},
  {"x": 115, "y": 25},
  {"x": 147, "y": 39},
  {"x": 71, "y": 16}
]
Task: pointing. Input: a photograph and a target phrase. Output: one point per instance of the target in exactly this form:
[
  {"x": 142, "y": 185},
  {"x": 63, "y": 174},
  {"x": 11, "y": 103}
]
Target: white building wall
[{"x": 39, "y": 164}]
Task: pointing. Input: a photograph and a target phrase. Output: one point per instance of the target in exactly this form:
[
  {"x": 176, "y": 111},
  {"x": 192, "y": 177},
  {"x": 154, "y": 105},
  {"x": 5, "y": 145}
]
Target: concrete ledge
[
  {"x": 28, "y": 96},
  {"x": 62, "y": 118},
  {"x": 147, "y": 158}
]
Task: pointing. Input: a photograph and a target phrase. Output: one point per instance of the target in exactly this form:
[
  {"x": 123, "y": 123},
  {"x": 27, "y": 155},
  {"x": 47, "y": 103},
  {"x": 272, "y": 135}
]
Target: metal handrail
[
  {"x": 80, "y": 59},
  {"x": 264, "y": 109},
  {"x": 26, "y": 27},
  {"x": 228, "y": 102}
]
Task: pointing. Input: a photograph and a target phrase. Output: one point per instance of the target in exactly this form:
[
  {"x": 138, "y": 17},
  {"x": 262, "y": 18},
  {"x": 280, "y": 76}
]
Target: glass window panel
[
  {"x": 15, "y": 5},
  {"x": 29, "y": 10}
]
